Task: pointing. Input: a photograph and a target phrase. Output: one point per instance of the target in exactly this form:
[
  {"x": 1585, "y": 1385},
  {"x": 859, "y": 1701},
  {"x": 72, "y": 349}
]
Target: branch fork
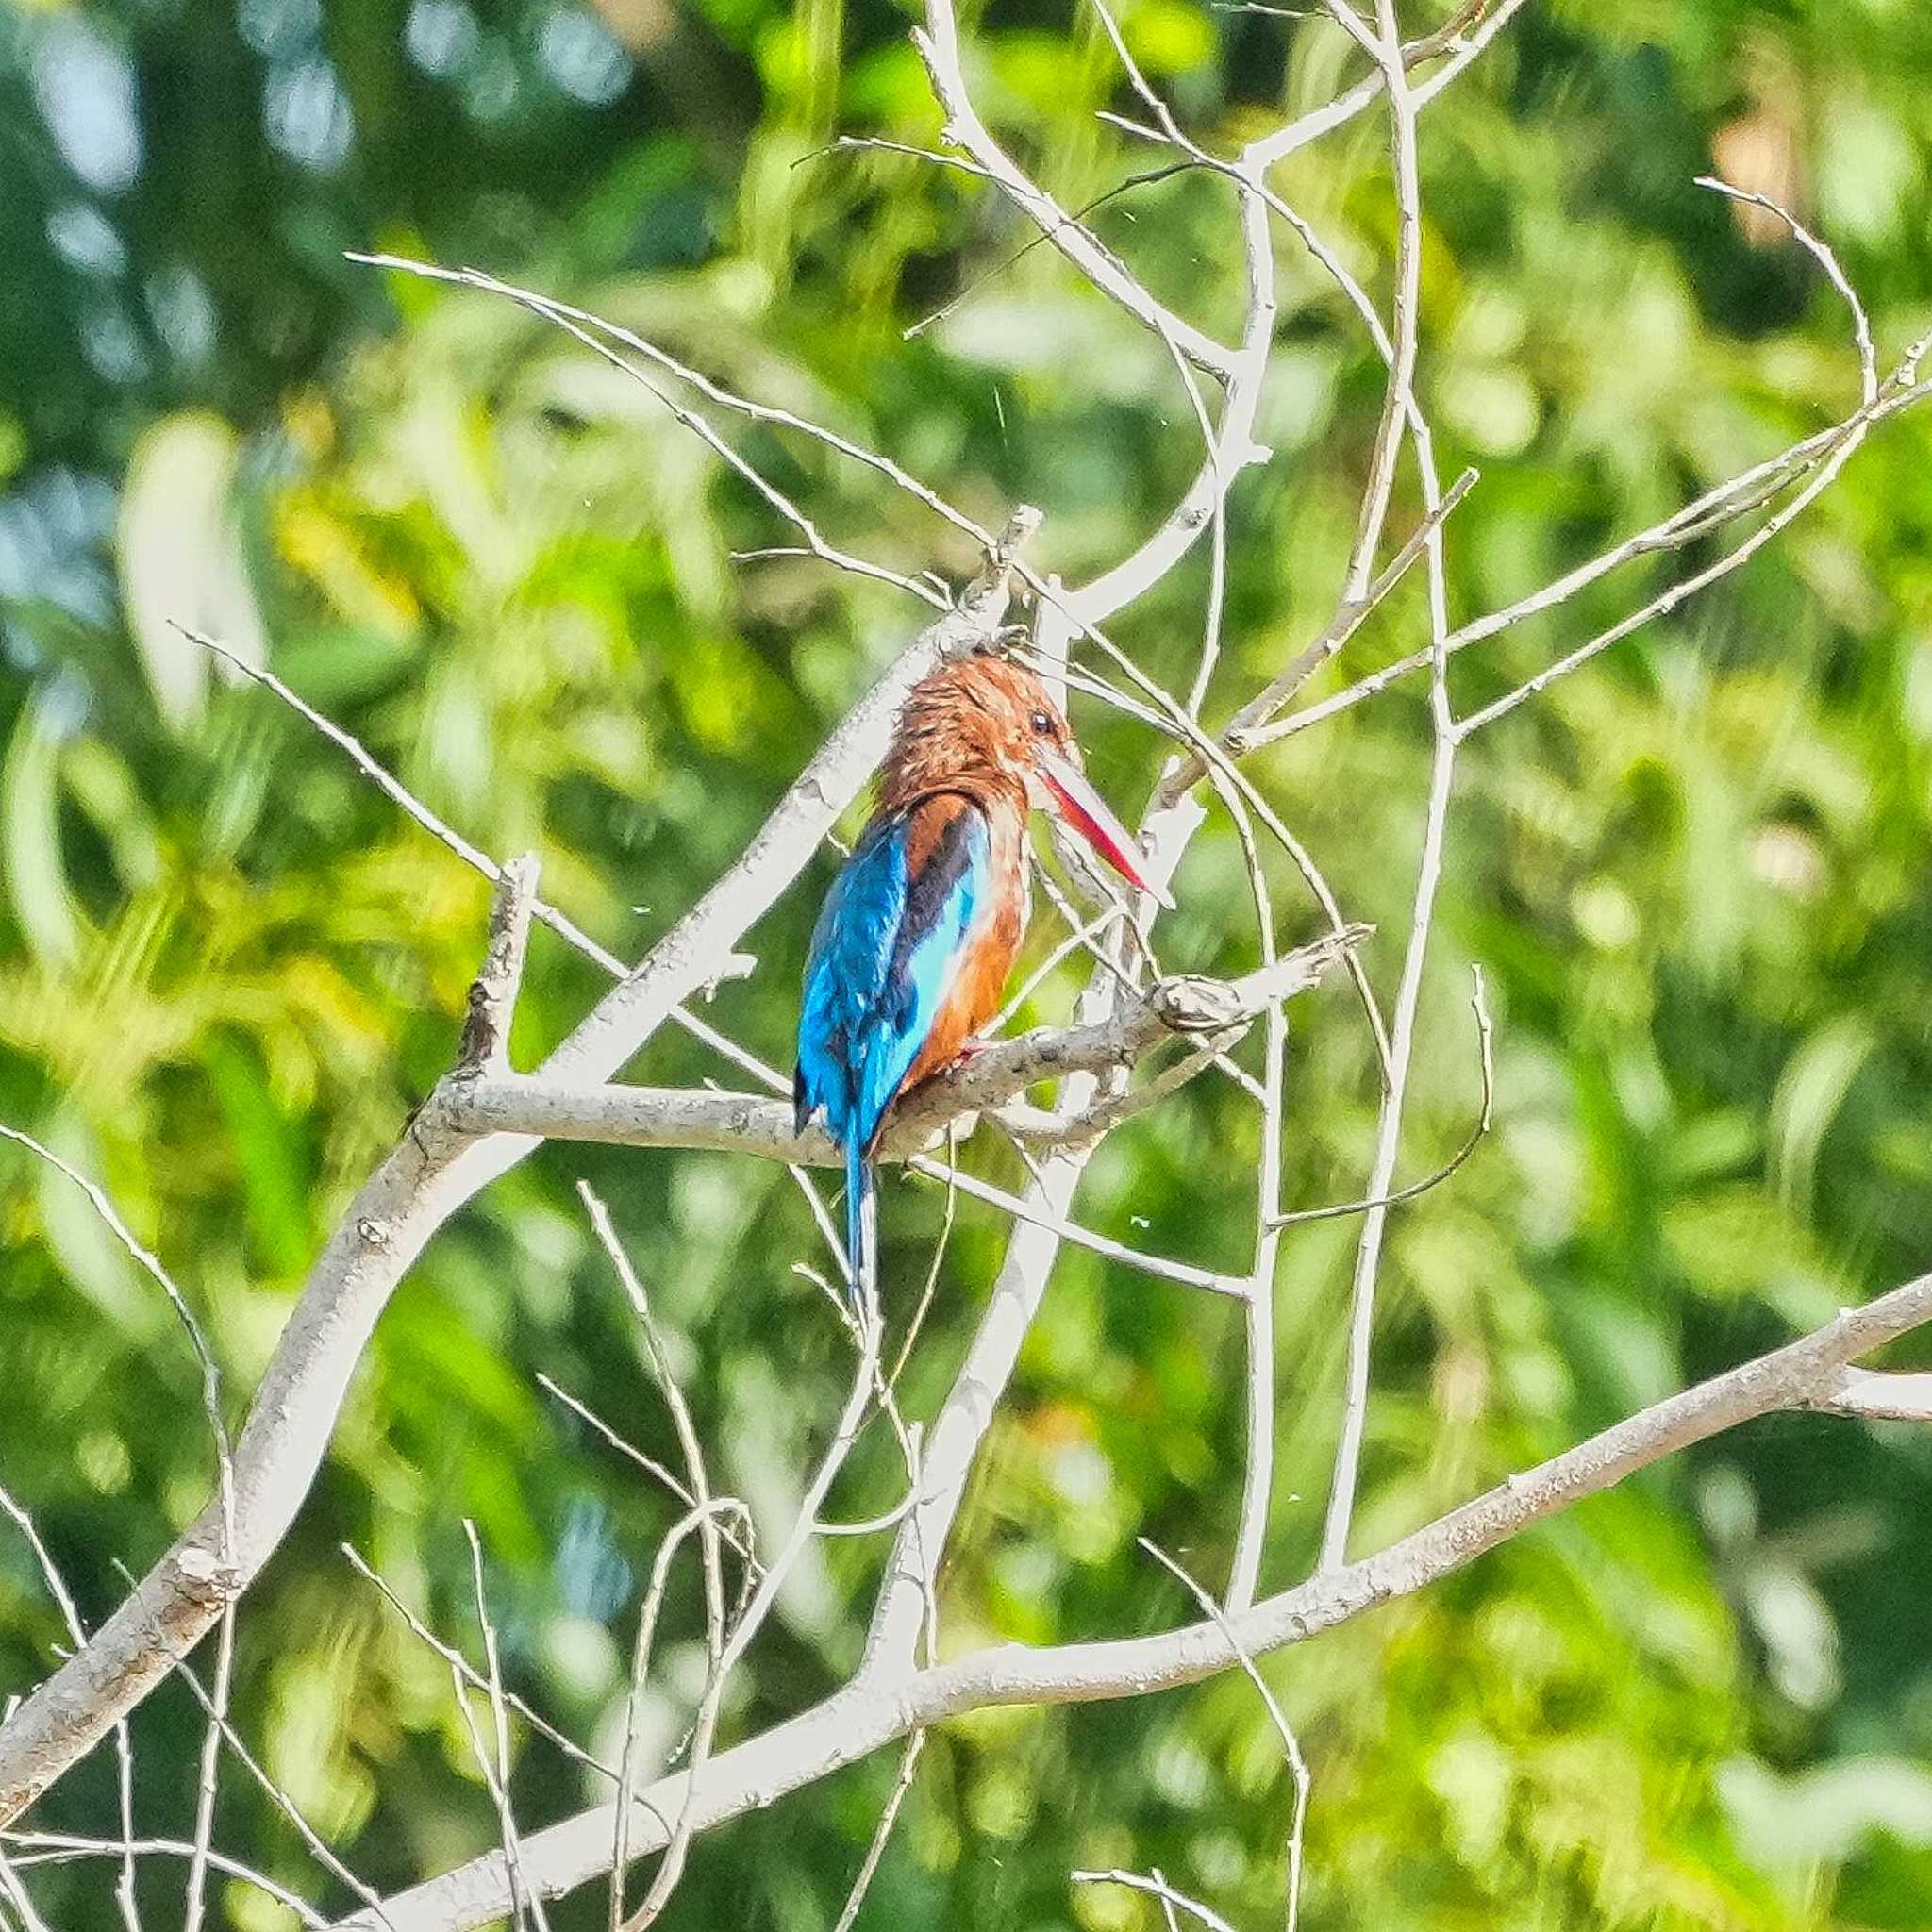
[
  {"x": 1187, "y": 1006},
  {"x": 485, "y": 1115}
]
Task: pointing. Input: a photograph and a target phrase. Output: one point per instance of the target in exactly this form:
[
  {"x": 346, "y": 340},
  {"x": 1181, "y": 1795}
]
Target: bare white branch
[
  {"x": 1184, "y": 1006},
  {"x": 883, "y": 1704},
  {"x": 939, "y": 47},
  {"x": 1155, "y": 1884},
  {"x": 526, "y": 1906},
  {"x": 483, "y": 1117},
  {"x": 423, "y": 1181}
]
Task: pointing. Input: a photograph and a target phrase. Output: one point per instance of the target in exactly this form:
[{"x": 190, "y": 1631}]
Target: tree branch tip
[
  {"x": 1896, "y": 1395},
  {"x": 1023, "y": 526},
  {"x": 982, "y": 605},
  {"x": 408, "y": 265},
  {"x": 1325, "y": 949},
  {"x": 485, "y": 1043},
  {"x": 733, "y": 966}
]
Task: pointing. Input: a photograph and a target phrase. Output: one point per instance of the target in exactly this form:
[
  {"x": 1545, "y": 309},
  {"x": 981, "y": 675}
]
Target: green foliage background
[{"x": 1697, "y": 876}]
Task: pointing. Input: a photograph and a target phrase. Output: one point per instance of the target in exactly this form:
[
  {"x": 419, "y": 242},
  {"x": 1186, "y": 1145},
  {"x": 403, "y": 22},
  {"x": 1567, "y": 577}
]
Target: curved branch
[
  {"x": 939, "y": 47},
  {"x": 879, "y": 1707},
  {"x": 1184, "y": 1006},
  {"x": 428, "y": 1178}
]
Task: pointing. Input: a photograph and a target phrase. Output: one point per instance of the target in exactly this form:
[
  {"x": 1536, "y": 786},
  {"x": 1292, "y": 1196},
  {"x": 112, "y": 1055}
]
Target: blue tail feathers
[
  {"x": 862, "y": 1226},
  {"x": 887, "y": 944}
]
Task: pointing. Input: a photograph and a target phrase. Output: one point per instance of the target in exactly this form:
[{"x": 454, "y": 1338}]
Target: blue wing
[{"x": 882, "y": 958}]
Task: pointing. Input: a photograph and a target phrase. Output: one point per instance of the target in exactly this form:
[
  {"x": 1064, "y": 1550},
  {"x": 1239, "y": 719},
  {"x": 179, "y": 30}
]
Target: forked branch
[
  {"x": 484, "y": 1117},
  {"x": 880, "y": 1705}
]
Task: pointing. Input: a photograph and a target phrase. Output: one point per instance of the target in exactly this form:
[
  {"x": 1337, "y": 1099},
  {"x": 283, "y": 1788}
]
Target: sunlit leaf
[
  {"x": 30, "y": 829},
  {"x": 179, "y": 551}
]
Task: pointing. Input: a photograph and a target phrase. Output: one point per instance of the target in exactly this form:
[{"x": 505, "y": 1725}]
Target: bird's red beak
[{"x": 1089, "y": 815}]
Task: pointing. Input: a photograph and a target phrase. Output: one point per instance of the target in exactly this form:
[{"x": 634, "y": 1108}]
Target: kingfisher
[{"x": 920, "y": 929}]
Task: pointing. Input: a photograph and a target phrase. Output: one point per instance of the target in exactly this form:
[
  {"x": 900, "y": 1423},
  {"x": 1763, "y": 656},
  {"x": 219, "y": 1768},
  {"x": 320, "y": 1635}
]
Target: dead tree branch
[
  {"x": 483, "y": 1117},
  {"x": 883, "y": 1704},
  {"x": 425, "y": 1179}
]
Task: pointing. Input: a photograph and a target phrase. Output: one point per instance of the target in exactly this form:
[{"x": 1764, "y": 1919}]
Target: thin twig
[
  {"x": 218, "y": 1568},
  {"x": 1725, "y": 502},
  {"x": 908, "y": 1764},
  {"x": 939, "y": 46},
  {"x": 1261, "y": 305},
  {"x": 1248, "y": 729},
  {"x": 629, "y": 1803},
  {"x": 563, "y": 313},
  {"x": 1484, "y": 1030},
  {"x": 649, "y": 1464},
  {"x": 1257, "y": 1302},
  {"x": 1822, "y": 254},
  {"x": 704, "y": 1516},
  {"x": 319, "y": 1847},
  {"x": 1854, "y": 434},
  {"x": 208, "y": 1772},
  {"x": 932, "y": 1273},
  {"x": 1291, "y": 1744},
  {"x": 124, "y": 1750},
  {"x": 412, "y": 808},
  {"x": 14, "y": 1886},
  {"x": 1387, "y": 50},
  {"x": 1157, "y": 1886},
  {"x": 59, "y": 1848},
  {"x": 1147, "y": 177},
  {"x": 699, "y": 425},
  {"x": 1667, "y": 601},
  {"x": 526, "y": 1902},
  {"x": 463, "y": 1668}
]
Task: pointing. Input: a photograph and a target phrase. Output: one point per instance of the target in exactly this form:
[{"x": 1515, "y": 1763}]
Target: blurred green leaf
[
  {"x": 180, "y": 558},
  {"x": 30, "y": 825},
  {"x": 1695, "y": 874}
]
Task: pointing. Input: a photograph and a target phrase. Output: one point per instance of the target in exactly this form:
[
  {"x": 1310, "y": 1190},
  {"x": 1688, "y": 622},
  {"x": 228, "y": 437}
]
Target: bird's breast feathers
[{"x": 978, "y": 972}]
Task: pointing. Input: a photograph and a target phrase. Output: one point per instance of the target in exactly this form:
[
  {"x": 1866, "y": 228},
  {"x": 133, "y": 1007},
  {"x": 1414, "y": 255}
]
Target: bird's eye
[{"x": 1042, "y": 723}]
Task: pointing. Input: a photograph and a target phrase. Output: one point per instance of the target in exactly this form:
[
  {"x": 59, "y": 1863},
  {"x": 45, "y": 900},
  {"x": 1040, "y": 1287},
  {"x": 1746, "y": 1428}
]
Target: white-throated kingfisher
[{"x": 920, "y": 929}]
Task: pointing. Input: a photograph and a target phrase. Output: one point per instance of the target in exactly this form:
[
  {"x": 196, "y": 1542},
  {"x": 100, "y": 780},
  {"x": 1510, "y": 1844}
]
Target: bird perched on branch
[{"x": 919, "y": 930}]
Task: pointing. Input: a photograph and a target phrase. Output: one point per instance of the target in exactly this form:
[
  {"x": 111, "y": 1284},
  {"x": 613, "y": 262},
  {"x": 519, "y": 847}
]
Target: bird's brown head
[{"x": 988, "y": 727}]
